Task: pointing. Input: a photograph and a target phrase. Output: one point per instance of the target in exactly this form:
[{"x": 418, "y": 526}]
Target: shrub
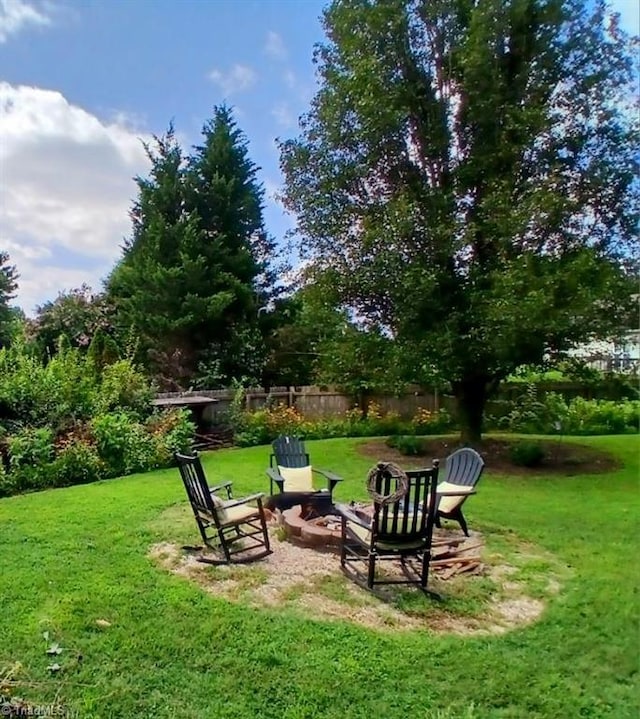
[
  {"x": 124, "y": 388},
  {"x": 527, "y": 454},
  {"x": 601, "y": 417},
  {"x": 77, "y": 462},
  {"x": 550, "y": 414},
  {"x": 123, "y": 444},
  {"x": 7, "y": 486},
  {"x": 31, "y": 453},
  {"x": 172, "y": 431},
  {"x": 427, "y": 422},
  {"x": 533, "y": 414},
  {"x": 407, "y": 444}
]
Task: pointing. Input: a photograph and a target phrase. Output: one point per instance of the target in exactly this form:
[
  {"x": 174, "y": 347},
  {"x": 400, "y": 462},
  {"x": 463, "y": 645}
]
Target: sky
[{"x": 84, "y": 82}]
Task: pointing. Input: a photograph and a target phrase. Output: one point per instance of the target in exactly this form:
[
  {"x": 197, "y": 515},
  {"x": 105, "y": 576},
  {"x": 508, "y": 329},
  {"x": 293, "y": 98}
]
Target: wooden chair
[
  {"x": 232, "y": 528},
  {"x": 463, "y": 468},
  {"x": 400, "y": 528},
  {"x": 290, "y": 469}
]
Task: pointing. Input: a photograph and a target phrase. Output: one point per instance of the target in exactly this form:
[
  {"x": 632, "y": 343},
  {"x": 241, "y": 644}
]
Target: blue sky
[{"x": 81, "y": 81}]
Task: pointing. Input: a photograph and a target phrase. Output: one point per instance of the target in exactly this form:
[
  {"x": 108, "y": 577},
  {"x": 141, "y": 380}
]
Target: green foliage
[
  {"x": 77, "y": 314},
  {"x": 263, "y": 426},
  {"x": 550, "y": 414},
  {"x": 427, "y": 422},
  {"x": 452, "y": 186},
  {"x": 31, "y": 452},
  {"x": 67, "y": 422},
  {"x": 77, "y": 462},
  {"x": 527, "y": 454},
  {"x": 196, "y": 263},
  {"x": 7, "y": 485},
  {"x": 123, "y": 444},
  {"x": 35, "y": 394},
  {"x": 172, "y": 431},
  {"x": 102, "y": 351},
  {"x": 123, "y": 387},
  {"x": 407, "y": 444},
  {"x": 8, "y": 286}
]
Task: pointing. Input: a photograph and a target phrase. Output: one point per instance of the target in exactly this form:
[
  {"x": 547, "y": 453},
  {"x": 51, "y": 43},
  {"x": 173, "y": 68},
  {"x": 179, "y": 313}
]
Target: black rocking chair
[
  {"x": 232, "y": 528},
  {"x": 400, "y": 529}
]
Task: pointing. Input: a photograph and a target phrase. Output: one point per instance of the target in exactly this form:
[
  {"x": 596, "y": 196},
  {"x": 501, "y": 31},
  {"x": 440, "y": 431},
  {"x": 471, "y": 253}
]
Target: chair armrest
[
  {"x": 244, "y": 500},
  {"x": 329, "y": 475},
  {"x": 223, "y": 485},
  {"x": 456, "y": 494},
  {"x": 275, "y": 476},
  {"x": 347, "y": 513}
]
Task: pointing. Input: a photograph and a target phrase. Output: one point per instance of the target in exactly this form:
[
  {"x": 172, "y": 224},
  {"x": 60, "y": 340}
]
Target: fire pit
[{"x": 313, "y": 522}]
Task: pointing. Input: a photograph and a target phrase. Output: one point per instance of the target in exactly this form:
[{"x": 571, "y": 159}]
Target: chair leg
[
  {"x": 424, "y": 576},
  {"x": 225, "y": 548},
  {"x": 265, "y": 533},
  {"x": 203, "y": 533},
  {"x": 372, "y": 570},
  {"x": 460, "y": 517}
]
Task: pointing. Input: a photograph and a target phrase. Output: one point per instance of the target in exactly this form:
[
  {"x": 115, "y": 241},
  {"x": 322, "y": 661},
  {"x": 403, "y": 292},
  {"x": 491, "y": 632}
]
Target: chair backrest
[
  {"x": 289, "y": 452},
  {"x": 411, "y": 517},
  {"x": 463, "y": 467},
  {"x": 196, "y": 485}
]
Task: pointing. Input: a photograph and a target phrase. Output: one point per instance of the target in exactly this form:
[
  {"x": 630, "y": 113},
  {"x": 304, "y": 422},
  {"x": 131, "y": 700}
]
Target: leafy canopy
[{"x": 465, "y": 180}]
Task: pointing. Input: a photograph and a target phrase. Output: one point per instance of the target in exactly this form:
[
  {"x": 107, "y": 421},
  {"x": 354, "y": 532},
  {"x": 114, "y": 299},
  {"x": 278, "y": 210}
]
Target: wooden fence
[
  {"x": 312, "y": 402},
  {"x": 320, "y": 402}
]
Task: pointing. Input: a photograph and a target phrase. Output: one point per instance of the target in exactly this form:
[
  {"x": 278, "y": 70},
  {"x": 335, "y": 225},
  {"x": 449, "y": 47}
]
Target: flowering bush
[
  {"x": 431, "y": 422},
  {"x": 263, "y": 426}
]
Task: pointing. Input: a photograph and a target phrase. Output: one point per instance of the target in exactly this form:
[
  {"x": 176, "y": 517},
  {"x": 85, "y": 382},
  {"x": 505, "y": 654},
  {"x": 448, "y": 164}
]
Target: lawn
[{"x": 138, "y": 641}]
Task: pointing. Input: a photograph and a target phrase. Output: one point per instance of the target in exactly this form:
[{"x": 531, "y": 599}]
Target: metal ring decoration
[{"x": 387, "y": 469}]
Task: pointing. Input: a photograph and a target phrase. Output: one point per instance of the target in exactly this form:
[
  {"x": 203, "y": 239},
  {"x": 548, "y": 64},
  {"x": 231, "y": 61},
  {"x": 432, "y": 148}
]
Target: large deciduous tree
[
  {"x": 466, "y": 179},
  {"x": 195, "y": 269},
  {"x": 78, "y": 314}
]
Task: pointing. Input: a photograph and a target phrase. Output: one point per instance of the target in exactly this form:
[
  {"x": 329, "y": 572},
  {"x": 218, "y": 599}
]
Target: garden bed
[{"x": 565, "y": 458}]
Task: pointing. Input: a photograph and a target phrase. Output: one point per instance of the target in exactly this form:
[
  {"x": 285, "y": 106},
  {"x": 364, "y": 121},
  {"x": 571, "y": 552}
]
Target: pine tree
[{"x": 190, "y": 275}]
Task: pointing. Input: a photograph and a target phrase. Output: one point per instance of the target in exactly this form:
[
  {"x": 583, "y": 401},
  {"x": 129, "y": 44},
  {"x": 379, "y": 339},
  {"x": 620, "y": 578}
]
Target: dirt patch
[
  {"x": 566, "y": 458},
  {"x": 309, "y": 582}
]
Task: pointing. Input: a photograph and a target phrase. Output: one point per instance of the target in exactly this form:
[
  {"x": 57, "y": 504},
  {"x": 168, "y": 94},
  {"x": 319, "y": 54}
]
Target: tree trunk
[{"x": 471, "y": 396}]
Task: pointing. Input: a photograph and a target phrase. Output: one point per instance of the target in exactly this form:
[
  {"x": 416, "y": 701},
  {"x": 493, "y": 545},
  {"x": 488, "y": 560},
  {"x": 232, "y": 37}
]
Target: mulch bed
[{"x": 561, "y": 458}]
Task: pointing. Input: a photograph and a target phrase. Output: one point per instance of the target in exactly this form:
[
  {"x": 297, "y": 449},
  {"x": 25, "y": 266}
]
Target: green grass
[{"x": 69, "y": 557}]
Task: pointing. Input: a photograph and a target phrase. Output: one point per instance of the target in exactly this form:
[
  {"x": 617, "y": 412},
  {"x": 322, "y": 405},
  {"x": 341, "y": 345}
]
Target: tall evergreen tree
[
  {"x": 8, "y": 286},
  {"x": 189, "y": 278},
  {"x": 466, "y": 180}
]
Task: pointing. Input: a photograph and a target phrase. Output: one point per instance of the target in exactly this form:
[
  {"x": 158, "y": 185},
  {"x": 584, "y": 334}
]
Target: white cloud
[
  {"x": 17, "y": 14},
  {"x": 235, "y": 80},
  {"x": 274, "y": 47},
  {"x": 65, "y": 190},
  {"x": 283, "y": 115},
  {"x": 290, "y": 79}
]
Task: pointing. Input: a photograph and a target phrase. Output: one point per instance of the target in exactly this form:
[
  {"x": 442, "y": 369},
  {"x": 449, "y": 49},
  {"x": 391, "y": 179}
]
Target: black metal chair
[
  {"x": 462, "y": 471},
  {"x": 399, "y": 530},
  {"x": 231, "y": 527},
  {"x": 290, "y": 469}
]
